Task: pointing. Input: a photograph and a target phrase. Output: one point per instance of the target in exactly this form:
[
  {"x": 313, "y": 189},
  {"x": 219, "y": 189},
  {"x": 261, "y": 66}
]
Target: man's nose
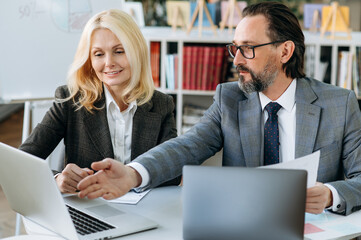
[{"x": 239, "y": 59}]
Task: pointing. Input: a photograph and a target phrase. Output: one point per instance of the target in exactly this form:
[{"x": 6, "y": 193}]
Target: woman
[{"x": 109, "y": 109}]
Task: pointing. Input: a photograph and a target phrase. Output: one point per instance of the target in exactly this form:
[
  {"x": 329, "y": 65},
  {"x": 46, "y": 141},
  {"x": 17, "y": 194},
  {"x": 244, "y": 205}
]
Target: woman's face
[{"x": 108, "y": 59}]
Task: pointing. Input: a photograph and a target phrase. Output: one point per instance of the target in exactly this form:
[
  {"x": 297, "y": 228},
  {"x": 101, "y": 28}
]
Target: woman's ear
[{"x": 288, "y": 47}]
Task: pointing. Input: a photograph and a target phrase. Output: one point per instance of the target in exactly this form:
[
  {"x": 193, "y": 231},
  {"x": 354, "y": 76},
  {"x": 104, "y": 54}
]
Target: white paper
[
  {"x": 308, "y": 163},
  {"x": 130, "y": 198}
]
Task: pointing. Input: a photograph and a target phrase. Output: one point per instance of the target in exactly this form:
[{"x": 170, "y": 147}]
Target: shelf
[{"x": 173, "y": 43}]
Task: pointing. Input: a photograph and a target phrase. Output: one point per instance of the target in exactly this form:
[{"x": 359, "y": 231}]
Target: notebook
[
  {"x": 31, "y": 190},
  {"x": 243, "y": 203}
]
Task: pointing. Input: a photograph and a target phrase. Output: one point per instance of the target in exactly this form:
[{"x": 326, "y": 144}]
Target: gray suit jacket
[
  {"x": 87, "y": 137},
  {"x": 327, "y": 119}
]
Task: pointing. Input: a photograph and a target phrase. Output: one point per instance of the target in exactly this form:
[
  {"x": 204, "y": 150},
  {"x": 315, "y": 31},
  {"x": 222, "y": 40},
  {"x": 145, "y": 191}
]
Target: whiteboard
[{"x": 38, "y": 40}]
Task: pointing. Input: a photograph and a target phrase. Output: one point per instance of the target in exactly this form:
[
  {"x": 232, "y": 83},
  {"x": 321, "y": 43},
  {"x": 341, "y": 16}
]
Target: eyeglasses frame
[{"x": 250, "y": 46}]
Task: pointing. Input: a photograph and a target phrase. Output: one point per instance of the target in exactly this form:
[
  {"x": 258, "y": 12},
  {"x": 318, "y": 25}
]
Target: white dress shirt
[
  {"x": 120, "y": 127},
  {"x": 286, "y": 121},
  {"x": 287, "y": 132}
]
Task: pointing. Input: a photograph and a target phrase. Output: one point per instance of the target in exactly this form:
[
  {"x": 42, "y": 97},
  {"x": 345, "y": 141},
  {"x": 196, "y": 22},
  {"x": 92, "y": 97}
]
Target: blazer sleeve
[
  {"x": 48, "y": 133},
  {"x": 203, "y": 140},
  {"x": 350, "y": 188}
]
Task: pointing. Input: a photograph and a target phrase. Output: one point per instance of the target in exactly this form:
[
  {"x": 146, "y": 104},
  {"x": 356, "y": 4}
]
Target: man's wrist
[
  {"x": 136, "y": 177},
  {"x": 143, "y": 173},
  {"x": 338, "y": 204}
]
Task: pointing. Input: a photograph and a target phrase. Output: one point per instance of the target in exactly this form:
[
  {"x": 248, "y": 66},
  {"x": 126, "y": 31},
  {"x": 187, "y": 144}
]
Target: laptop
[
  {"x": 31, "y": 190},
  {"x": 243, "y": 203}
]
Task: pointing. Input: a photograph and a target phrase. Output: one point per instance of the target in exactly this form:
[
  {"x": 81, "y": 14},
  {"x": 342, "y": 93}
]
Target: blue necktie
[{"x": 271, "y": 136}]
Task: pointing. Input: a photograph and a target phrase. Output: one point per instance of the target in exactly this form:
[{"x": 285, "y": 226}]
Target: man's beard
[{"x": 259, "y": 81}]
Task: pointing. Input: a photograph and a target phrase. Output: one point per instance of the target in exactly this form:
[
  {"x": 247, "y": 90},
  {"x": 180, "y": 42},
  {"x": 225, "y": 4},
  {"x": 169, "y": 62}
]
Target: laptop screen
[{"x": 243, "y": 203}]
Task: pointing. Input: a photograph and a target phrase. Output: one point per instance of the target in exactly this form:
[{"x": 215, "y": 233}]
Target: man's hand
[
  {"x": 112, "y": 180},
  {"x": 318, "y": 198},
  {"x": 69, "y": 178}
]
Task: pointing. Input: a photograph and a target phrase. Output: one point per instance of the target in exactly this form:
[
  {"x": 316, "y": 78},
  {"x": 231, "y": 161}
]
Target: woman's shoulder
[
  {"x": 159, "y": 96},
  {"x": 62, "y": 92}
]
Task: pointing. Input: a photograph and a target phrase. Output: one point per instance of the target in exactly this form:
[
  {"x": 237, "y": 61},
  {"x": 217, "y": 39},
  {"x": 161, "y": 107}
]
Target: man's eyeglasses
[{"x": 246, "y": 50}]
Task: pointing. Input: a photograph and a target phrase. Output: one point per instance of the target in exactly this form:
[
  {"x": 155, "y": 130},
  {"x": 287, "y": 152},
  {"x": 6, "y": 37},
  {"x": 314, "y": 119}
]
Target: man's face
[{"x": 259, "y": 73}]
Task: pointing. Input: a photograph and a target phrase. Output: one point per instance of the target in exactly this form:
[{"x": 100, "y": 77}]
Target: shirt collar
[
  {"x": 109, "y": 100},
  {"x": 286, "y": 100}
]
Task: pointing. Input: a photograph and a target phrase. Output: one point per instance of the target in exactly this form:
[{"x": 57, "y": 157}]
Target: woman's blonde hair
[{"x": 84, "y": 86}]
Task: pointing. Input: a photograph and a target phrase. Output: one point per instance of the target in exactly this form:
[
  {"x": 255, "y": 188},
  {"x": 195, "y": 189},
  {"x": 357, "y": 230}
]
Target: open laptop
[
  {"x": 243, "y": 203},
  {"x": 30, "y": 189}
]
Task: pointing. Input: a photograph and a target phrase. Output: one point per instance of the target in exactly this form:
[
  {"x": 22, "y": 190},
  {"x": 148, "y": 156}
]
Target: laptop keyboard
[{"x": 85, "y": 224}]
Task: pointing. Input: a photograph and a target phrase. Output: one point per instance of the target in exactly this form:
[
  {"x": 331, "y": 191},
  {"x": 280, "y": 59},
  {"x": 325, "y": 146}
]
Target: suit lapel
[
  {"x": 143, "y": 118},
  {"x": 249, "y": 112},
  {"x": 96, "y": 125},
  {"x": 307, "y": 118}
]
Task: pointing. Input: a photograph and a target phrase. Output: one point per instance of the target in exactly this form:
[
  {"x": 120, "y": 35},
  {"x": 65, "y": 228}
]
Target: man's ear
[{"x": 288, "y": 47}]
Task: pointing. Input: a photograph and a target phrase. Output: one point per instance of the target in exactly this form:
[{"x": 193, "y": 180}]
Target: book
[
  {"x": 167, "y": 71},
  {"x": 171, "y": 71},
  {"x": 342, "y": 68},
  {"x": 199, "y": 66},
  {"x": 154, "y": 62},
  {"x": 355, "y": 76},
  {"x": 193, "y": 68},
  {"x": 176, "y": 65},
  {"x": 218, "y": 64},
  {"x": 358, "y": 60},
  {"x": 206, "y": 66},
  {"x": 211, "y": 68},
  {"x": 348, "y": 83},
  {"x": 310, "y": 61},
  {"x": 187, "y": 56},
  {"x": 191, "y": 115}
]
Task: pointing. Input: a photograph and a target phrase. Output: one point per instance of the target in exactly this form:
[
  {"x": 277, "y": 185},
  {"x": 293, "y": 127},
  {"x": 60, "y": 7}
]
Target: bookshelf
[{"x": 322, "y": 55}]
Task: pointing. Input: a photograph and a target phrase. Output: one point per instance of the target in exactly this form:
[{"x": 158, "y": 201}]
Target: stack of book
[
  {"x": 191, "y": 115},
  {"x": 204, "y": 67},
  {"x": 349, "y": 67}
]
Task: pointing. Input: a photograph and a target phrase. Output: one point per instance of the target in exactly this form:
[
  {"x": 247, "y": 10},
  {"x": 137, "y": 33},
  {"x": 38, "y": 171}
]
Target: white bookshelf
[{"x": 166, "y": 35}]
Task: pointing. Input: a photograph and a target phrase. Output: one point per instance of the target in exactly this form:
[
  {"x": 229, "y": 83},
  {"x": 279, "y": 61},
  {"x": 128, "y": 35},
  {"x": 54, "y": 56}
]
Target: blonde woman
[{"x": 109, "y": 108}]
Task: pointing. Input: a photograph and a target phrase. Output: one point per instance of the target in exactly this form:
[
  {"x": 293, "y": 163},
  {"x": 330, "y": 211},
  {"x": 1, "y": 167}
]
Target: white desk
[{"x": 164, "y": 205}]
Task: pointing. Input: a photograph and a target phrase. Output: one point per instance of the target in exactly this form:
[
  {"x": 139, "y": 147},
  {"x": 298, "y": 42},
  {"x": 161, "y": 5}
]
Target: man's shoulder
[{"x": 322, "y": 89}]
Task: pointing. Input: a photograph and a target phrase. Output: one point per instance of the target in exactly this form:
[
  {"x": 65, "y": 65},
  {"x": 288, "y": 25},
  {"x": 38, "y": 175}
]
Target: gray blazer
[
  {"x": 87, "y": 137},
  {"x": 327, "y": 119}
]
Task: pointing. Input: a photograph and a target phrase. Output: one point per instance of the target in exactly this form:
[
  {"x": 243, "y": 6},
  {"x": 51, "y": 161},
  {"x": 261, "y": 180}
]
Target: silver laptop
[
  {"x": 243, "y": 203},
  {"x": 30, "y": 189}
]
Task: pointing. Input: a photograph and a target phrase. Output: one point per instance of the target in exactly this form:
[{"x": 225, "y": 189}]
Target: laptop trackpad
[{"x": 105, "y": 211}]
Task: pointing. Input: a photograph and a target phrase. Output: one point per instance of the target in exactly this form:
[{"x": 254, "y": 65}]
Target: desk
[{"x": 164, "y": 206}]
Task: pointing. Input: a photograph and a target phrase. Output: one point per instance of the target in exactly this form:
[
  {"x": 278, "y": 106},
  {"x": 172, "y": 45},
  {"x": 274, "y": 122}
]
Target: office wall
[{"x": 38, "y": 41}]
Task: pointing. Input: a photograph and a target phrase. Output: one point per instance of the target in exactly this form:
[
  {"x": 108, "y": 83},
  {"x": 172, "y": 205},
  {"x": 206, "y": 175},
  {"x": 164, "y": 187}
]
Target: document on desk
[
  {"x": 131, "y": 197},
  {"x": 308, "y": 163}
]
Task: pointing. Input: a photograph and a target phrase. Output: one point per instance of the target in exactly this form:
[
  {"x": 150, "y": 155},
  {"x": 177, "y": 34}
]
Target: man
[{"x": 268, "y": 50}]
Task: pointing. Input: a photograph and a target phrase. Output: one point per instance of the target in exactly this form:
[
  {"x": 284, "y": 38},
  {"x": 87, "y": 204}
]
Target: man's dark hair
[{"x": 282, "y": 25}]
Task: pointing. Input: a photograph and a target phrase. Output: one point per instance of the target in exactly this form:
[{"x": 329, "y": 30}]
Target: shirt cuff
[
  {"x": 144, "y": 174},
  {"x": 338, "y": 205}
]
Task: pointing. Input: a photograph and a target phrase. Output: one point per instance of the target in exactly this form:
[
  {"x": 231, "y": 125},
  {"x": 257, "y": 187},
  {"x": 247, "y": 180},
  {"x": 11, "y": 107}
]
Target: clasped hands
[
  {"x": 113, "y": 179},
  {"x": 108, "y": 179}
]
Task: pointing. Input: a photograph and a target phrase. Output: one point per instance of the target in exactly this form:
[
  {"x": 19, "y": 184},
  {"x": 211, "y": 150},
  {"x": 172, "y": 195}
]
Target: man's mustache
[{"x": 242, "y": 68}]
